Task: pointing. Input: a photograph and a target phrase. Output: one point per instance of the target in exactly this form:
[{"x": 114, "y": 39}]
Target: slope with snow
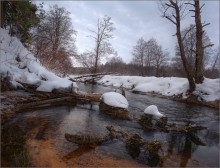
[
  {"x": 209, "y": 90},
  {"x": 21, "y": 66}
]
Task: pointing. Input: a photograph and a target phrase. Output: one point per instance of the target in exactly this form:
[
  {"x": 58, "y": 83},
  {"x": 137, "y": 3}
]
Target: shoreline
[{"x": 190, "y": 100}]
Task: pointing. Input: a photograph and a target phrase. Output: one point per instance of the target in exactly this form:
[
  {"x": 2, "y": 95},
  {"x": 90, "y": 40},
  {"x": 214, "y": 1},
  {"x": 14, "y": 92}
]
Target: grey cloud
[{"x": 133, "y": 19}]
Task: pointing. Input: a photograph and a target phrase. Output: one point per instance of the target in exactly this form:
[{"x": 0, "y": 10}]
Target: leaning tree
[{"x": 174, "y": 12}]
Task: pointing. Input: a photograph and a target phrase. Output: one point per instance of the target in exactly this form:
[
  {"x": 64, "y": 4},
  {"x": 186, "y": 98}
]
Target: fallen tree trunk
[
  {"x": 86, "y": 139},
  {"x": 36, "y": 99},
  {"x": 93, "y": 75},
  {"x": 134, "y": 143},
  {"x": 43, "y": 102}
]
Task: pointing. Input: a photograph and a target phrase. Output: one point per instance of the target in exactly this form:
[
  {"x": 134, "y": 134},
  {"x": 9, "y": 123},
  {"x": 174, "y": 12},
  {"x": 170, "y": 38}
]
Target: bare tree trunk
[
  {"x": 2, "y": 14},
  {"x": 157, "y": 70},
  {"x": 96, "y": 60},
  {"x": 199, "y": 76},
  {"x": 182, "y": 51}
]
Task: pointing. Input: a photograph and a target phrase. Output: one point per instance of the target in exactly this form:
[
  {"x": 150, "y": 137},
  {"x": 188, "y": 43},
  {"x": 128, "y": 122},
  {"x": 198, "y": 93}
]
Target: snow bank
[
  {"x": 18, "y": 63},
  {"x": 114, "y": 99},
  {"x": 209, "y": 90}
]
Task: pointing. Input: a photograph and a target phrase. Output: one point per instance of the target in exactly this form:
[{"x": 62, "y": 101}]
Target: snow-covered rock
[
  {"x": 114, "y": 99},
  {"x": 21, "y": 66},
  {"x": 153, "y": 110}
]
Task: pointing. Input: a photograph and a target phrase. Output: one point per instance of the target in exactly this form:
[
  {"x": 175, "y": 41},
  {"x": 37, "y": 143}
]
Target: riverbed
[{"x": 45, "y": 145}]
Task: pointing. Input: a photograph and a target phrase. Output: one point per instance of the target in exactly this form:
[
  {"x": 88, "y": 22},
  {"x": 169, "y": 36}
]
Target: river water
[{"x": 45, "y": 128}]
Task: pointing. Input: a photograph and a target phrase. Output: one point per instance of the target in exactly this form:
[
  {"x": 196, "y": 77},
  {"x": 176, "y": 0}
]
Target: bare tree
[
  {"x": 116, "y": 64},
  {"x": 138, "y": 53},
  {"x": 54, "y": 39},
  {"x": 199, "y": 68},
  {"x": 160, "y": 58},
  {"x": 87, "y": 59},
  {"x": 174, "y": 12},
  {"x": 216, "y": 60},
  {"x": 102, "y": 35},
  {"x": 150, "y": 51},
  {"x": 189, "y": 43}
]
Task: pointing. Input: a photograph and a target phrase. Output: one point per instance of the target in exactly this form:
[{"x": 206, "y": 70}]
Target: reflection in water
[
  {"x": 50, "y": 124},
  {"x": 186, "y": 153},
  {"x": 82, "y": 149}
]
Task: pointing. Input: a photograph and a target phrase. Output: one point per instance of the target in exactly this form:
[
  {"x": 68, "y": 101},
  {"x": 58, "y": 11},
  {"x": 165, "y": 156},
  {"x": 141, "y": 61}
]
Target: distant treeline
[{"x": 134, "y": 70}]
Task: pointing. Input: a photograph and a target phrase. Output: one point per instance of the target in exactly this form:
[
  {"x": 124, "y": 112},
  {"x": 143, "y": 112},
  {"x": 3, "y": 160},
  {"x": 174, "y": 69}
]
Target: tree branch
[
  {"x": 169, "y": 5},
  {"x": 206, "y": 24},
  {"x": 209, "y": 45},
  {"x": 167, "y": 17},
  {"x": 201, "y": 7},
  {"x": 189, "y": 4},
  {"x": 192, "y": 27}
]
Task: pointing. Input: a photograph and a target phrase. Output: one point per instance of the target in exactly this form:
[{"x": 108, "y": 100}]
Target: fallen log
[
  {"x": 195, "y": 139},
  {"x": 86, "y": 139},
  {"x": 185, "y": 128},
  {"x": 36, "y": 99},
  {"x": 43, "y": 102},
  {"x": 93, "y": 75},
  {"x": 134, "y": 143}
]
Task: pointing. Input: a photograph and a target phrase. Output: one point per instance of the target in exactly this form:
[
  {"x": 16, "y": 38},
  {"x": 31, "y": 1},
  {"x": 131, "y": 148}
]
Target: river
[{"x": 45, "y": 144}]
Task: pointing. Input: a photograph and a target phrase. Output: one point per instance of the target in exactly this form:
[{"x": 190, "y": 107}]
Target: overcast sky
[{"x": 132, "y": 20}]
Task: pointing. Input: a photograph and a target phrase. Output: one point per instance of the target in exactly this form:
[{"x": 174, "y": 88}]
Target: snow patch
[
  {"x": 209, "y": 90},
  {"x": 114, "y": 99},
  {"x": 153, "y": 110}
]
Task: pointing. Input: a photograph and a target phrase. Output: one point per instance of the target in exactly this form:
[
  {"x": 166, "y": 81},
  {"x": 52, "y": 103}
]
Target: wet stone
[{"x": 115, "y": 112}]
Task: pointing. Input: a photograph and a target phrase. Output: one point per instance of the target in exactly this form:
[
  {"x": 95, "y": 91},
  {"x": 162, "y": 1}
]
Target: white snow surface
[
  {"x": 21, "y": 65},
  {"x": 114, "y": 99},
  {"x": 153, "y": 110},
  {"x": 209, "y": 90}
]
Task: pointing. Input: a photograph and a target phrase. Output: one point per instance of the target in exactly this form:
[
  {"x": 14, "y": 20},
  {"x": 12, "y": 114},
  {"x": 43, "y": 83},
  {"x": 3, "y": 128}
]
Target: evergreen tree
[{"x": 19, "y": 17}]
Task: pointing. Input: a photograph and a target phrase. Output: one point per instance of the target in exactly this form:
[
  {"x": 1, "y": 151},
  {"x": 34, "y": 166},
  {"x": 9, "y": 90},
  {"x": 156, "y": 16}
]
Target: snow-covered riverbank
[
  {"x": 19, "y": 65},
  {"x": 209, "y": 90},
  {"x": 207, "y": 93}
]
